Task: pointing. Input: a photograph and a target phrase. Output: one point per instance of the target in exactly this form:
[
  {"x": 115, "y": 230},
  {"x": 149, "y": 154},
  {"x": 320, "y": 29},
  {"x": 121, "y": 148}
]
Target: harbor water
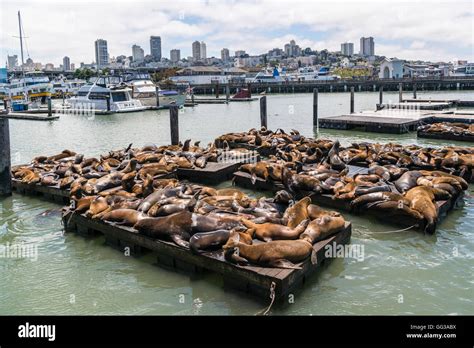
[{"x": 401, "y": 272}]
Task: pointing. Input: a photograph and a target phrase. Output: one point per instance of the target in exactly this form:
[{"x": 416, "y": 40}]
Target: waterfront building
[
  {"x": 196, "y": 50},
  {"x": 203, "y": 50},
  {"x": 138, "y": 53},
  {"x": 155, "y": 47},
  {"x": 367, "y": 47},
  {"x": 391, "y": 68},
  {"x": 347, "y": 49},
  {"x": 225, "y": 55},
  {"x": 196, "y": 75},
  {"x": 12, "y": 61},
  {"x": 175, "y": 55},
  {"x": 101, "y": 53},
  {"x": 66, "y": 63},
  {"x": 240, "y": 53}
]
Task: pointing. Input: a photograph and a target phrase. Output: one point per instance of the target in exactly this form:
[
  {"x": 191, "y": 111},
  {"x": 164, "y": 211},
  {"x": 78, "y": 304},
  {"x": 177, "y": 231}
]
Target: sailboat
[{"x": 32, "y": 87}]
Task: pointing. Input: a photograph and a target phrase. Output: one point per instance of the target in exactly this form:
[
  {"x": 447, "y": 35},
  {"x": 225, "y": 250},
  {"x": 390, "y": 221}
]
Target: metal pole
[
  {"x": 263, "y": 111},
  {"x": 5, "y": 162},
  {"x": 50, "y": 107},
  {"x": 352, "y": 100},
  {"x": 174, "y": 125},
  {"x": 315, "y": 107}
]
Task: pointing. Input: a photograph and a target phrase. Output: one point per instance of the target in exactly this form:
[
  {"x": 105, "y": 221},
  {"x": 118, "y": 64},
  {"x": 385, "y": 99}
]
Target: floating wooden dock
[
  {"x": 50, "y": 193},
  {"x": 416, "y": 105},
  {"x": 213, "y": 172},
  {"x": 445, "y": 136},
  {"x": 31, "y": 117},
  {"x": 208, "y": 101},
  {"x": 254, "y": 280},
  {"x": 244, "y": 180},
  {"x": 455, "y": 102}
]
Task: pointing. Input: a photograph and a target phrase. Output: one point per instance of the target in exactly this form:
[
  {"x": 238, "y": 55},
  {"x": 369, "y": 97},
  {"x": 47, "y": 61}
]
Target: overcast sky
[{"x": 430, "y": 30}]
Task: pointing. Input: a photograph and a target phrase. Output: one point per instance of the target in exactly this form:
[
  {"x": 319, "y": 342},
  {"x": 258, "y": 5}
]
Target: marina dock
[
  {"x": 254, "y": 280},
  {"x": 31, "y": 117}
]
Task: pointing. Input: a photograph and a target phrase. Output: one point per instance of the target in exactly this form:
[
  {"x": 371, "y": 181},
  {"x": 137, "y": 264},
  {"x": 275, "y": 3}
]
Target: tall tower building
[
  {"x": 138, "y": 53},
  {"x": 347, "y": 48},
  {"x": 203, "y": 50},
  {"x": 225, "y": 55},
  {"x": 196, "y": 50},
  {"x": 101, "y": 53},
  {"x": 155, "y": 47},
  {"x": 175, "y": 55},
  {"x": 66, "y": 64},
  {"x": 367, "y": 46}
]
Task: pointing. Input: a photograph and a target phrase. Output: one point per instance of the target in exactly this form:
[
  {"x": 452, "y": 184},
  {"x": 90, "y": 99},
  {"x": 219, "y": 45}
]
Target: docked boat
[
  {"x": 268, "y": 75},
  {"x": 33, "y": 85},
  {"x": 66, "y": 88},
  {"x": 104, "y": 94},
  {"x": 145, "y": 90}
]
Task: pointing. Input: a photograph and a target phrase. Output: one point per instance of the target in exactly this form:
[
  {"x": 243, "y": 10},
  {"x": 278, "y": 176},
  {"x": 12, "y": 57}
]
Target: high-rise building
[
  {"x": 101, "y": 53},
  {"x": 347, "y": 48},
  {"x": 239, "y": 53},
  {"x": 367, "y": 46},
  {"x": 66, "y": 64},
  {"x": 12, "y": 61},
  {"x": 155, "y": 47},
  {"x": 49, "y": 66},
  {"x": 138, "y": 53},
  {"x": 175, "y": 55},
  {"x": 225, "y": 55},
  {"x": 73, "y": 66},
  {"x": 196, "y": 50},
  {"x": 203, "y": 50},
  {"x": 292, "y": 49}
]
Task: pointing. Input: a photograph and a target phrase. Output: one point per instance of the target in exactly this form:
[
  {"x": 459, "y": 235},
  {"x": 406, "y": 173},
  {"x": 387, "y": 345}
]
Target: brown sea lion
[
  {"x": 422, "y": 200},
  {"x": 127, "y": 217},
  {"x": 323, "y": 227},
  {"x": 270, "y": 231},
  {"x": 279, "y": 253},
  {"x": 297, "y": 212}
]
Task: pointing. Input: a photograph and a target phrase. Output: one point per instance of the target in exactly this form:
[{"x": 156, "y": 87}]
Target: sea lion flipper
[
  {"x": 314, "y": 257},
  {"x": 253, "y": 178},
  {"x": 180, "y": 241},
  {"x": 283, "y": 263}
]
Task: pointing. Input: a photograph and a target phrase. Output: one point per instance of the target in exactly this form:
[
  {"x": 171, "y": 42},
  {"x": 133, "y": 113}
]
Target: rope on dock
[{"x": 272, "y": 297}]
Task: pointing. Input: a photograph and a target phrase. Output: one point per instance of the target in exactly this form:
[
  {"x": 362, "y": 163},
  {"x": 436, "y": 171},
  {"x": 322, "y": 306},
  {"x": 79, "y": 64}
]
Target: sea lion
[
  {"x": 323, "y": 227},
  {"x": 297, "y": 212},
  {"x": 279, "y": 253},
  {"x": 407, "y": 181},
  {"x": 422, "y": 200},
  {"x": 127, "y": 217},
  {"x": 207, "y": 240},
  {"x": 270, "y": 231}
]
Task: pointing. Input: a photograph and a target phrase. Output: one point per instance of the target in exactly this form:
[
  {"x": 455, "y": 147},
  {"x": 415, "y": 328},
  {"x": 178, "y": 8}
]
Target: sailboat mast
[{"x": 21, "y": 41}]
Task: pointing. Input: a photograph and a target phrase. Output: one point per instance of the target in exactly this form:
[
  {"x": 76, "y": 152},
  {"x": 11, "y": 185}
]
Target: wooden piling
[
  {"x": 217, "y": 90},
  {"x": 352, "y": 100},
  {"x": 50, "y": 107},
  {"x": 5, "y": 162},
  {"x": 107, "y": 100},
  {"x": 174, "y": 126},
  {"x": 315, "y": 107},
  {"x": 263, "y": 111},
  {"x": 381, "y": 95},
  {"x": 157, "y": 90},
  {"x": 249, "y": 87},
  {"x": 400, "y": 92},
  {"x": 414, "y": 91},
  {"x": 227, "y": 92}
]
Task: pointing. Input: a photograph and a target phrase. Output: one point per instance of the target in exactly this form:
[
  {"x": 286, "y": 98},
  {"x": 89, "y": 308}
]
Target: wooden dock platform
[
  {"x": 254, "y": 280},
  {"x": 416, "y": 105},
  {"x": 455, "y": 102},
  {"x": 50, "y": 193},
  {"x": 244, "y": 180},
  {"x": 31, "y": 117},
  {"x": 377, "y": 121},
  {"x": 445, "y": 136},
  {"x": 213, "y": 173}
]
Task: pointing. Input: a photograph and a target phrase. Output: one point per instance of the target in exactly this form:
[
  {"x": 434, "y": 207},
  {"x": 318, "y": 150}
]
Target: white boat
[
  {"x": 145, "y": 90},
  {"x": 34, "y": 85},
  {"x": 66, "y": 88},
  {"x": 102, "y": 96},
  {"x": 269, "y": 75}
]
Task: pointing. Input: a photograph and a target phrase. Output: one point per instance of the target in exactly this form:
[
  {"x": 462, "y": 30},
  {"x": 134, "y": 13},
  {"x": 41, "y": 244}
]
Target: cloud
[{"x": 410, "y": 30}]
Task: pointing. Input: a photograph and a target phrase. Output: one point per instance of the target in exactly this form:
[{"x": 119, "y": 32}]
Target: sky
[{"x": 424, "y": 30}]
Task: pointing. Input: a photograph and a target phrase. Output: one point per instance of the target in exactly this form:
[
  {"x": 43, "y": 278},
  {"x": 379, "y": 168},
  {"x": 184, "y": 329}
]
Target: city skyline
[{"x": 400, "y": 33}]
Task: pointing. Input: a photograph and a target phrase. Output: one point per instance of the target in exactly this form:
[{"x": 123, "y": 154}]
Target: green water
[{"x": 401, "y": 273}]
